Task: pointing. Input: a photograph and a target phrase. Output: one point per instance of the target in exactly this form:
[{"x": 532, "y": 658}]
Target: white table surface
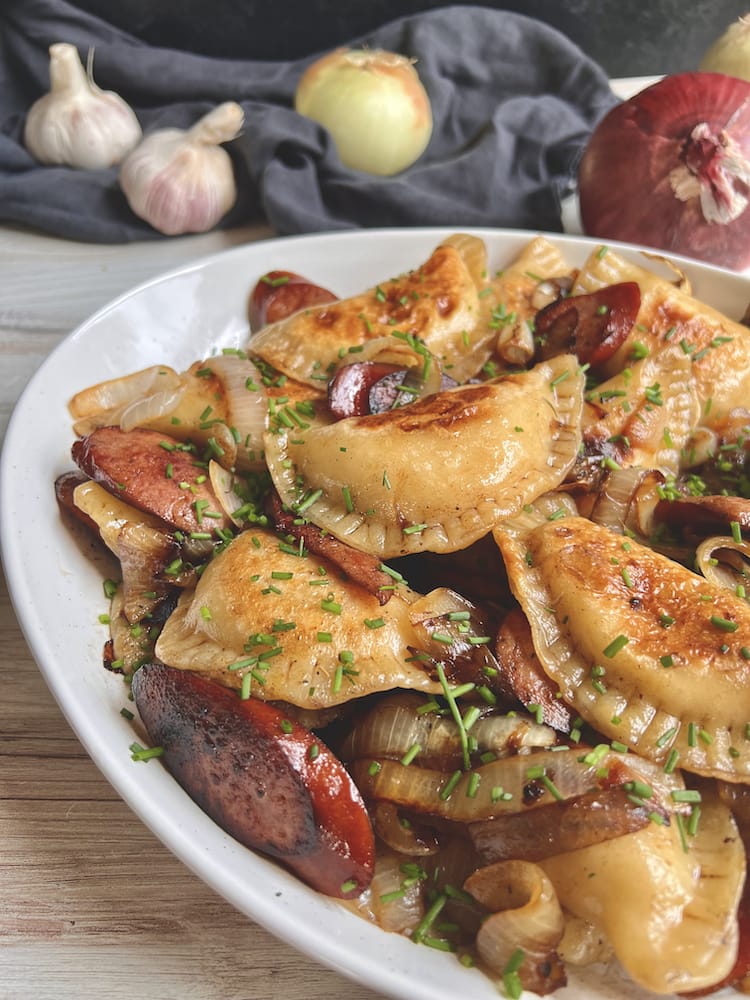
[{"x": 92, "y": 906}]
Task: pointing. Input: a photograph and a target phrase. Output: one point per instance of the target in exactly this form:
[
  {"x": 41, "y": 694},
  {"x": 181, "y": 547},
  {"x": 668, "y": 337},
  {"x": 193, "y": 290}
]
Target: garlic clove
[
  {"x": 77, "y": 124},
  {"x": 182, "y": 181}
]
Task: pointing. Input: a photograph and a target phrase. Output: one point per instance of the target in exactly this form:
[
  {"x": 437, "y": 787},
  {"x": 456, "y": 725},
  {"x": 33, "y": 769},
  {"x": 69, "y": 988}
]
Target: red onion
[{"x": 670, "y": 168}]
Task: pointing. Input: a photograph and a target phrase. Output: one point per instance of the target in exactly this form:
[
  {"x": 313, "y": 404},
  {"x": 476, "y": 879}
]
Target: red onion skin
[{"x": 624, "y": 182}]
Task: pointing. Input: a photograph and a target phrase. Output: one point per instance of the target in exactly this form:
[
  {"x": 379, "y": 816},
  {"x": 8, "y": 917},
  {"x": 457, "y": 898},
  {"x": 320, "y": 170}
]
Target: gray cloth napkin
[{"x": 514, "y": 102}]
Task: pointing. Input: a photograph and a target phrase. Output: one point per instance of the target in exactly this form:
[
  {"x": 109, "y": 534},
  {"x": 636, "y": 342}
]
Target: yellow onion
[{"x": 373, "y": 104}]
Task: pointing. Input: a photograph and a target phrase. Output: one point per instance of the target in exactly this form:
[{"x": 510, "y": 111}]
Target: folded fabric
[{"x": 514, "y": 102}]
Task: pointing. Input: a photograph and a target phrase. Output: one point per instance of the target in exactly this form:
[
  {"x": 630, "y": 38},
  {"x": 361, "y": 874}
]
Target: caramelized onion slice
[
  {"x": 704, "y": 514},
  {"x": 409, "y": 839},
  {"x": 521, "y": 676},
  {"x": 246, "y": 407},
  {"x": 526, "y": 918},
  {"x": 154, "y": 407},
  {"x": 223, "y": 482},
  {"x": 612, "y": 506},
  {"x": 399, "y": 721},
  {"x": 580, "y": 821},
  {"x": 454, "y": 632},
  {"x": 144, "y": 553},
  {"x": 97, "y": 404},
  {"x": 725, "y": 562},
  {"x": 395, "y": 899},
  {"x": 508, "y": 785},
  {"x": 107, "y": 512}
]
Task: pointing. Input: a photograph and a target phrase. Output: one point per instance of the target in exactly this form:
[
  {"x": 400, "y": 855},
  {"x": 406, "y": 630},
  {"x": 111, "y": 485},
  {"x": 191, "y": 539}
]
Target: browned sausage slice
[
  {"x": 263, "y": 778},
  {"x": 591, "y": 326},
  {"x": 154, "y": 473},
  {"x": 278, "y": 294}
]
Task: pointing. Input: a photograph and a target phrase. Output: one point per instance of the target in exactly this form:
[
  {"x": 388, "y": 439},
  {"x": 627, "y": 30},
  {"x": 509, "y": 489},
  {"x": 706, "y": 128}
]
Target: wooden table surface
[{"x": 91, "y": 904}]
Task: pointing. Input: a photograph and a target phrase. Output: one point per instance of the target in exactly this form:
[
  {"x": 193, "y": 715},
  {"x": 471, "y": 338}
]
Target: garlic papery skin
[
  {"x": 77, "y": 124},
  {"x": 182, "y": 181}
]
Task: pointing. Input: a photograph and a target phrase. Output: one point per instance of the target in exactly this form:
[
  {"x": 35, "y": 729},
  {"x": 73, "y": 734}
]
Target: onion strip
[
  {"x": 247, "y": 406},
  {"x": 526, "y": 924}
]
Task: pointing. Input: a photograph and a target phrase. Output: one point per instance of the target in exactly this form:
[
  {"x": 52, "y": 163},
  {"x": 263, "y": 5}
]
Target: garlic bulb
[
  {"x": 77, "y": 124},
  {"x": 183, "y": 181}
]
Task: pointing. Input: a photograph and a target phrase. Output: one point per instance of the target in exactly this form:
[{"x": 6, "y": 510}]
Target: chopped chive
[
  {"x": 328, "y": 604},
  {"x": 511, "y": 980},
  {"x": 666, "y": 736},
  {"x": 537, "y": 711},
  {"x": 560, "y": 378},
  {"x": 471, "y": 717},
  {"x": 420, "y": 931},
  {"x": 695, "y": 816},
  {"x": 410, "y": 754},
  {"x": 724, "y": 624},
  {"x": 639, "y": 789},
  {"x": 685, "y": 795},
  {"x": 447, "y": 790},
  {"x": 682, "y": 832},
  {"x": 616, "y": 645},
  {"x": 139, "y": 753},
  {"x": 473, "y": 786},
  {"x": 307, "y": 501}
]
